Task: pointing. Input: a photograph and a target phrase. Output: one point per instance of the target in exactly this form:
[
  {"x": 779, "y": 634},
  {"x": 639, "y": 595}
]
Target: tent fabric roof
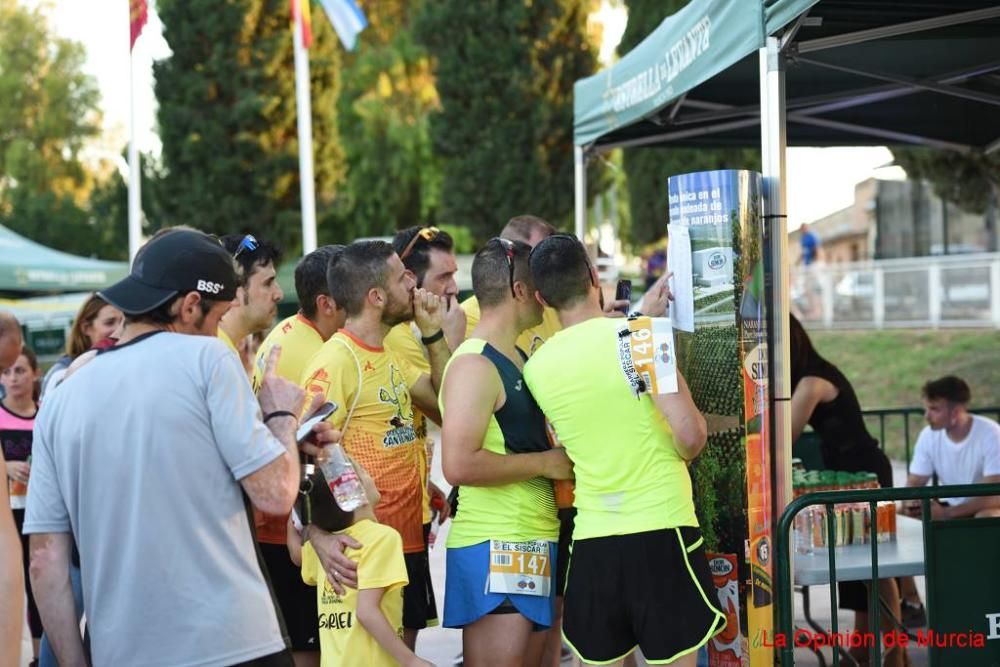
[
  {"x": 26, "y": 266},
  {"x": 852, "y": 78}
]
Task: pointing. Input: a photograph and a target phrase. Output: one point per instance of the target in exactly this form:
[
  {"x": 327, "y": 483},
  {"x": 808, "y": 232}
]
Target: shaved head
[{"x": 10, "y": 340}]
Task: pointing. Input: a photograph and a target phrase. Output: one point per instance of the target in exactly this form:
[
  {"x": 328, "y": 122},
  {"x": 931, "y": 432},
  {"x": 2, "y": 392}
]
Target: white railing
[{"x": 936, "y": 291}]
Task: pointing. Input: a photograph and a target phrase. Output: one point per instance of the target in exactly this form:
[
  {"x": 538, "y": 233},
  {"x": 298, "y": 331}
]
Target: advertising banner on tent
[{"x": 724, "y": 360}]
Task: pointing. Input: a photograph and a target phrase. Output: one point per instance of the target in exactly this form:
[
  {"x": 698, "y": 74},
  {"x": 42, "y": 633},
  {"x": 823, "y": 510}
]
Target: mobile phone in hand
[
  {"x": 305, "y": 429},
  {"x": 623, "y": 292}
]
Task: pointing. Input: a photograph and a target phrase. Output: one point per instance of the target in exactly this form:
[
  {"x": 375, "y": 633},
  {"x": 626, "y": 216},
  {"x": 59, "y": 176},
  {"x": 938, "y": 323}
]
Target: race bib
[
  {"x": 647, "y": 355},
  {"x": 523, "y": 568}
]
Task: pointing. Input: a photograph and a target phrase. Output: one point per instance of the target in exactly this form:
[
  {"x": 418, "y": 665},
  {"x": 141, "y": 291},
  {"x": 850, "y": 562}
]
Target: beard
[{"x": 397, "y": 312}]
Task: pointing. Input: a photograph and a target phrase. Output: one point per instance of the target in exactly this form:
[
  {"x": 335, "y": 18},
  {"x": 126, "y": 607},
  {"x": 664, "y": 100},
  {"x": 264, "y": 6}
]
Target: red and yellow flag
[
  {"x": 300, "y": 11},
  {"x": 138, "y": 13}
]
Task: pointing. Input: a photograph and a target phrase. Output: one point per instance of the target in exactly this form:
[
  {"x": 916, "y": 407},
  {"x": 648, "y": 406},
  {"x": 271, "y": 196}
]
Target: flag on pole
[
  {"x": 300, "y": 11},
  {"x": 138, "y": 13},
  {"x": 347, "y": 19}
]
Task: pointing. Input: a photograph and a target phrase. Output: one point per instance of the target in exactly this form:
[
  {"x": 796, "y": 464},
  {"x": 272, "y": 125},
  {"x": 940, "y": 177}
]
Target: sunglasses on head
[
  {"x": 426, "y": 233},
  {"x": 508, "y": 250},
  {"x": 247, "y": 244}
]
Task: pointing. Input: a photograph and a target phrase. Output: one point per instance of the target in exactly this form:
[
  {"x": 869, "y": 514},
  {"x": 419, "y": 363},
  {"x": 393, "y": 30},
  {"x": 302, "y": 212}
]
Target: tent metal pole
[
  {"x": 904, "y": 137},
  {"x": 898, "y": 29},
  {"x": 580, "y": 191},
  {"x": 773, "y": 144}
]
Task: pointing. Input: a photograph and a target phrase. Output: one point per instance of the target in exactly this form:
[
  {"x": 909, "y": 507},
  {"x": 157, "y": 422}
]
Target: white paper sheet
[{"x": 682, "y": 282}]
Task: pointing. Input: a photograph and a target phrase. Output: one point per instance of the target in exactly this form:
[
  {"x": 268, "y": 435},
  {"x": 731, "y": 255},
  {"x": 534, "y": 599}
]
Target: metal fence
[{"x": 936, "y": 291}]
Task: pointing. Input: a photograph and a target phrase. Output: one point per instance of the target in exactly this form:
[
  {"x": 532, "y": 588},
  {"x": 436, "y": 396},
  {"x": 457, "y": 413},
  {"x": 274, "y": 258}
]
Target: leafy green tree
[
  {"x": 648, "y": 168},
  {"x": 227, "y": 117},
  {"x": 505, "y": 73},
  {"x": 48, "y": 111},
  {"x": 970, "y": 180},
  {"x": 393, "y": 176}
]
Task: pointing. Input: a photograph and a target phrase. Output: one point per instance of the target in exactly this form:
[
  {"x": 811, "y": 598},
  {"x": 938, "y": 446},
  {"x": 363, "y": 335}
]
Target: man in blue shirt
[{"x": 809, "y": 243}]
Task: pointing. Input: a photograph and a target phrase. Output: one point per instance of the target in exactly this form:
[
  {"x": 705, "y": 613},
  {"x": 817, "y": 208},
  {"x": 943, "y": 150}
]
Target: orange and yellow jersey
[
  {"x": 402, "y": 341},
  {"x": 299, "y": 340},
  {"x": 530, "y": 339},
  {"x": 380, "y": 435}
]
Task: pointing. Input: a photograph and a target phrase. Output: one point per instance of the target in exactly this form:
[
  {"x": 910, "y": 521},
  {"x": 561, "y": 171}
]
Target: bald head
[
  {"x": 528, "y": 229},
  {"x": 10, "y": 340}
]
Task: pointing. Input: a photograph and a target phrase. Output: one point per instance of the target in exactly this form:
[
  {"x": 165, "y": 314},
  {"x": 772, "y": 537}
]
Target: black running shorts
[
  {"x": 652, "y": 590},
  {"x": 296, "y": 599},
  {"x": 419, "y": 606}
]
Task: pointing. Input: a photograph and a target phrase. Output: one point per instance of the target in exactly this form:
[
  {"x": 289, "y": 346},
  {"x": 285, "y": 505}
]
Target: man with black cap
[{"x": 146, "y": 461}]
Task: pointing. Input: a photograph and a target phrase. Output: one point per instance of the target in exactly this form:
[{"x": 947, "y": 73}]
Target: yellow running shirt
[
  {"x": 380, "y": 436},
  {"x": 342, "y": 638},
  {"x": 402, "y": 341},
  {"x": 299, "y": 340},
  {"x": 224, "y": 337},
  {"x": 530, "y": 339},
  {"x": 629, "y": 476}
]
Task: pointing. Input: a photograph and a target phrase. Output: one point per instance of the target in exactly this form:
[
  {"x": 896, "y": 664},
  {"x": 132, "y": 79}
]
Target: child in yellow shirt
[{"x": 363, "y": 626}]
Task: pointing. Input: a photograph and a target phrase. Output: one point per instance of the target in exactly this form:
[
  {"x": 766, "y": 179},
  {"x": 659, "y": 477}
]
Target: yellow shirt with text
[
  {"x": 342, "y": 638},
  {"x": 402, "y": 341},
  {"x": 381, "y": 435},
  {"x": 530, "y": 339},
  {"x": 299, "y": 340},
  {"x": 224, "y": 337}
]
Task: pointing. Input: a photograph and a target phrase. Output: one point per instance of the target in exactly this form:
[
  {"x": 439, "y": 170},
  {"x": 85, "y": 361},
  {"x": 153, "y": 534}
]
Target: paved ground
[{"x": 441, "y": 646}]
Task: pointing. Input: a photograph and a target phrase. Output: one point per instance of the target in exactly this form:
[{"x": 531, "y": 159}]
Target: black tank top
[{"x": 520, "y": 419}]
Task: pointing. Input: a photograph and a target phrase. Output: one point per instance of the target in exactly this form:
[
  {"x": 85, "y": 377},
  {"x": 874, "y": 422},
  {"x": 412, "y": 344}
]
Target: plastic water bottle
[{"x": 343, "y": 479}]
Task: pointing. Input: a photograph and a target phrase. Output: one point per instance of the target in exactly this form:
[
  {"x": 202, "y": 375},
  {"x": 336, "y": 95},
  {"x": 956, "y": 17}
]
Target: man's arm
[
  {"x": 972, "y": 506},
  {"x": 687, "y": 423},
  {"x": 11, "y": 581},
  {"x": 428, "y": 313},
  {"x": 50, "y": 560},
  {"x": 470, "y": 395}
]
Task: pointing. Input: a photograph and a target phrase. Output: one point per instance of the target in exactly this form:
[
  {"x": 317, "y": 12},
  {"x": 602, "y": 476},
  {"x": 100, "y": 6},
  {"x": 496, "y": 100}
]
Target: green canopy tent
[
  {"x": 859, "y": 72},
  {"x": 29, "y": 267},
  {"x": 919, "y": 72}
]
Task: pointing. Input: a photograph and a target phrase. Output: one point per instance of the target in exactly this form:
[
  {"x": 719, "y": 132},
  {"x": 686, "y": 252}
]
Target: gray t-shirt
[{"x": 139, "y": 454}]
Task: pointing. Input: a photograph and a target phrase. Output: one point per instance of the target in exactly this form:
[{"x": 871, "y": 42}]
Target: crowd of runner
[{"x": 171, "y": 502}]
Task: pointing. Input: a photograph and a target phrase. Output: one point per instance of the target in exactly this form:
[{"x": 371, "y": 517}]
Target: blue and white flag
[{"x": 347, "y": 19}]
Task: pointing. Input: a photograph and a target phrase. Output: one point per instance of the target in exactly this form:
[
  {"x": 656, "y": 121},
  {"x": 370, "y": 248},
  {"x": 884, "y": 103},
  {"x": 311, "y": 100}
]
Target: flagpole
[
  {"x": 134, "y": 179},
  {"x": 304, "y": 115}
]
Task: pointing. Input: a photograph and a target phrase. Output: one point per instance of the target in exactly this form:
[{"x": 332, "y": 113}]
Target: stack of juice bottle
[{"x": 853, "y": 521}]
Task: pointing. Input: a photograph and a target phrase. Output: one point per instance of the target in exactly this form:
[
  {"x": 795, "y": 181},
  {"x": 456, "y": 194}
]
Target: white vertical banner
[{"x": 134, "y": 170}]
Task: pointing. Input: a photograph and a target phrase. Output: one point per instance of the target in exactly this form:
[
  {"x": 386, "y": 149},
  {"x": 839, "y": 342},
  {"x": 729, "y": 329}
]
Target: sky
[{"x": 819, "y": 180}]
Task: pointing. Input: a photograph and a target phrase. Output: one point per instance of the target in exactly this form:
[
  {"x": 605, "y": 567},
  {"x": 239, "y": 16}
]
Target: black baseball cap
[{"x": 177, "y": 262}]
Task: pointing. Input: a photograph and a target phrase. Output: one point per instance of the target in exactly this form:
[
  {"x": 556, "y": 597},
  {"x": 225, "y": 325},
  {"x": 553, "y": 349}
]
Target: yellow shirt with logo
[
  {"x": 299, "y": 340},
  {"x": 530, "y": 339},
  {"x": 402, "y": 341},
  {"x": 381, "y": 434},
  {"x": 342, "y": 638}
]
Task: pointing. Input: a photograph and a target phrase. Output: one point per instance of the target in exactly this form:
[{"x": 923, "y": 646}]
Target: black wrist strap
[
  {"x": 279, "y": 413},
  {"x": 430, "y": 340}
]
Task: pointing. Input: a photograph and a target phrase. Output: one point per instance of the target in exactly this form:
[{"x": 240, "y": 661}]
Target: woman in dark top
[{"x": 823, "y": 398}]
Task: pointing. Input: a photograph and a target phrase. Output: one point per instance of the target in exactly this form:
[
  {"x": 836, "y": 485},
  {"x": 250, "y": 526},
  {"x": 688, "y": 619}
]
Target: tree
[
  {"x": 970, "y": 180},
  {"x": 649, "y": 168},
  {"x": 393, "y": 177},
  {"x": 227, "y": 117},
  {"x": 48, "y": 113},
  {"x": 505, "y": 73}
]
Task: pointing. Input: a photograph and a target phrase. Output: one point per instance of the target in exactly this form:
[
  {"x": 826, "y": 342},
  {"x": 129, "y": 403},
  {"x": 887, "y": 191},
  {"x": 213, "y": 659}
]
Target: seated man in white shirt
[{"x": 960, "y": 448}]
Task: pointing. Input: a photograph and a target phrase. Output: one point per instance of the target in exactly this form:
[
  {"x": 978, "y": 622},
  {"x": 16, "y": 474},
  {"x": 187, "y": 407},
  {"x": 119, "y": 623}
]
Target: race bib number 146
[{"x": 647, "y": 355}]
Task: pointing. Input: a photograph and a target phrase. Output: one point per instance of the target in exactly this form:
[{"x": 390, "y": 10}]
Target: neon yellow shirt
[
  {"x": 299, "y": 340},
  {"x": 342, "y": 638},
  {"x": 629, "y": 476},
  {"x": 402, "y": 341},
  {"x": 530, "y": 339},
  {"x": 381, "y": 435},
  {"x": 224, "y": 337},
  {"x": 521, "y": 511}
]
